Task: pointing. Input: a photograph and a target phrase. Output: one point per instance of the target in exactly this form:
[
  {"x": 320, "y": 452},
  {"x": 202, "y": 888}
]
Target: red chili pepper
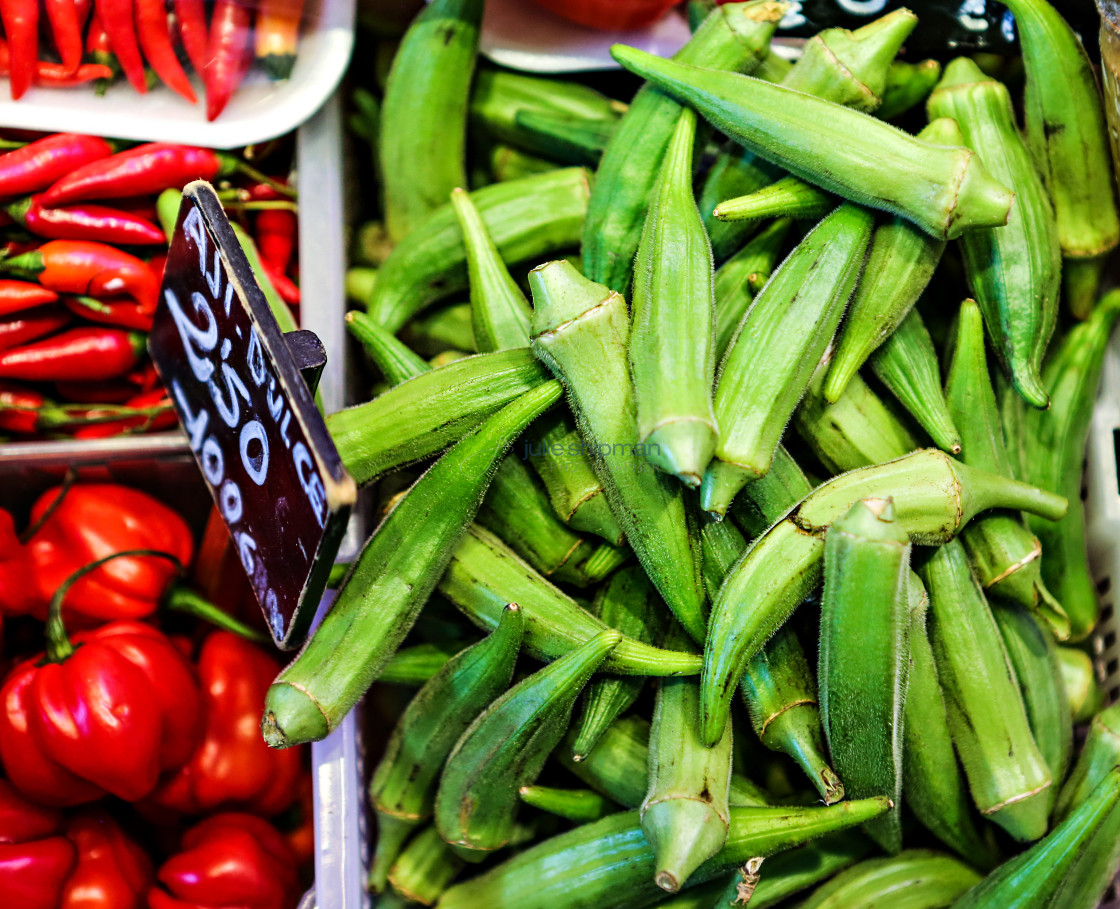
[
  {"x": 56, "y": 74},
  {"x": 19, "y": 412},
  {"x": 275, "y": 233},
  {"x": 283, "y": 285},
  {"x": 96, "y": 520},
  {"x": 17, "y": 296},
  {"x": 155, "y": 40},
  {"x": 113, "y": 871},
  {"x": 27, "y": 327},
  {"x": 230, "y": 32},
  {"x": 66, "y": 27},
  {"x": 229, "y": 860},
  {"x": 89, "y": 268},
  {"x": 154, "y": 413},
  {"x": 35, "y": 859},
  {"x": 107, "y": 712},
  {"x": 85, "y": 222},
  {"x": 80, "y": 353},
  {"x": 117, "y": 18},
  {"x": 122, "y": 313},
  {"x": 21, "y": 26},
  {"x": 39, "y": 164},
  {"x": 17, "y": 582},
  {"x": 232, "y": 766},
  {"x": 191, "y": 18}
]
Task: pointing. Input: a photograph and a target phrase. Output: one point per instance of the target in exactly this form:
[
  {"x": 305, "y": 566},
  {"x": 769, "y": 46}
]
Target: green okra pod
[
  {"x": 579, "y": 805},
  {"x": 1006, "y": 772},
  {"x": 1053, "y": 448},
  {"x": 734, "y": 37},
  {"x": 425, "y": 868},
  {"x": 416, "y": 665},
  {"x": 782, "y": 337},
  {"x": 767, "y": 499},
  {"x": 945, "y": 191},
  {"x": 908, "y": 85},
  {"x": 1036, "y": 877},
  {"x": 628, "y": 603},
  {"x": 741, "y": 277},
  {"x": 935, "y": 497},
  {"x": 508, "y": 163},
  {"x": 422, "y": 140},
  {"x": 790, "y": 197},
  {"x": 1079, "y": 679},
  {"x": 865, "y": 656},
  {"x": 932, "y": 783},
  {"x": 526, "y": 219},
  {"x": 390, "y": 582},
  {"x": 914, "y": 879},
  {"x": 581, "y": 331},
  {"x": 395, "y": 360},
  {"x": 442, "y": 328},
  {"x": 1099, "y": 755},
  {"x": 900, "y": 263},
  {"x": 736, "y": 172},
  {"x": 505, "y": 748},
  {"x": 1014, "y": 271},
  {"x": 565, "y": 138},
  {"x": 672, "y": 360},
  {"x": 423, "y": 415}
]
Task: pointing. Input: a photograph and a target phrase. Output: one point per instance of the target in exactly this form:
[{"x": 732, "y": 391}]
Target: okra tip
[
  {"x": 684, "y": 833},
  {"x": 681, "y": 448},
  {"x": 722, "y": 482},
  {"x": 291, "y": 717}
]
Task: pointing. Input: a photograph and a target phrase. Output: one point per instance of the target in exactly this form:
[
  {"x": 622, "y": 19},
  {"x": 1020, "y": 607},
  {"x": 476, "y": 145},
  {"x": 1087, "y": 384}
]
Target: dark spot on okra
[
  {"x": 1051, "y": 129},
  {"x": 413, "y": 773}
]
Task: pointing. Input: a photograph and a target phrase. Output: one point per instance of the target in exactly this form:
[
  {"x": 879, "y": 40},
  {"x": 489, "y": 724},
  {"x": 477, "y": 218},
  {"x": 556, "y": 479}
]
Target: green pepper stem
[
  {"x": 67, "y": 484},
  {"x": 190, "y": 603}
]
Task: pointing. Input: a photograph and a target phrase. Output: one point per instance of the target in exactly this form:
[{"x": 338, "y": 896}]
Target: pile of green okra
[{"x": 776, "y": 544}]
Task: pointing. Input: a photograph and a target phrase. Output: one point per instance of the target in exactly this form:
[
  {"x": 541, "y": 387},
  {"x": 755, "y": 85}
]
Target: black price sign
[{"x": 235, "y": 380}]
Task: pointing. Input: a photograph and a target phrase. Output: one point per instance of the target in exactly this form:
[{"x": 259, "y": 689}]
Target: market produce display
[{"x": 84, "y": 240}]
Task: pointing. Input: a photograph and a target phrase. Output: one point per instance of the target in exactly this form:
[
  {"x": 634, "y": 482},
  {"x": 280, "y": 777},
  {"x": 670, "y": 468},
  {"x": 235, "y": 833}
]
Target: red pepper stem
[
  {"x": 18, "y": 209},
  {"x": 10, "y": 144},
  {"x": 28, "y": 262},
  {"x": 58, "y": 646},
  {"x": 68, "y": 482},
  {"x": 190, "y": 603},
  {"x": 231, "y": 164}
]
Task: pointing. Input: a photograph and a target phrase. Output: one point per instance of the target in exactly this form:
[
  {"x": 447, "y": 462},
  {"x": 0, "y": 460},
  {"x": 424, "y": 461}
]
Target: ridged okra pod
[
  {"x": 442, "y": 329},
  {"x": 735, "y": 36},
  {"x": 393, "y": 358},
  {"x": 780, "y": 340},
  {"x": 908, "y": 85},
  {"x": 767, "y": 499},
  {"x": 933, "y": 786},
  {"x": 609, "y": 864},
  {"x": 415, "y": 665},
  {"x": 425, "y": 868},
  {"x": 509, "y": 163},
  {"x": 945, "y": 191},
  {"x": 914, "y": 879},
  {"x": 422, "y": 142},
  {"x": 686, "y": 809},
  {"x": 672, "y": 359},
  {"x": 579, "y": 805},
  {"x": 485, "y": 574},
  {"x": 403, "y": 788},
  {"x": 581, "y": 331},
  {"x": 735, "y": 172},
  {"x": 1015, "y": 271},
  {"x": 423, "y": 415},
  {"x": 790, "y": 197},
  {"x": 627, "y": 602},
  {"x": 506, "y": 747},
  {"x": 934, "y": 496},
  {"x": 526, "y": 219},
  {"x": 1100, "y": 753},
  {"x": 900, "y": 263},
  {"x": 741, "y": 277},
  {"x": 1007, "y": 774},
  {"x": 1079, "y": 679},
  {"x": 865, "y": 656},
  {"x": 390, "y": 582},
  {"x": 1053, "y": 449},
  {"x": 565, "y": 138},
  {"x": 1036, "y": 877},
  {"x": 1034, "y": 658}
]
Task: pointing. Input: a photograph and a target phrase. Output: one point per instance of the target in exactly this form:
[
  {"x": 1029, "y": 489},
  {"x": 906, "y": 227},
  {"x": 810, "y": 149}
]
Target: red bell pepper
[
  {"x": 28, "y": 327},
  {"x": 612, "y": 15},
  {"x": 17, "y": 296},
  {"x": 230, "y": 33},
  {"x": 34, "y": 858},
  {"x": 39, "y": 164},
  {"x": 155, "y": 40},
  {"x": 85, "y": 222},
  {"x": 232, "y": 766},
  {"x": 18, "y": 592},
  {"x": 89, "y": 267},
  {"x": 19, "y": 412},
  {"x": 96, "y": 520},
  {"x": 113, "y": 871},
  {"x": 117, "y": 19},
  {"x": 107, "y": 712},
  {"x": 229, "y": 860},
  {"x": 21, "y": 26},
  {"x": 77, "y": 354}
]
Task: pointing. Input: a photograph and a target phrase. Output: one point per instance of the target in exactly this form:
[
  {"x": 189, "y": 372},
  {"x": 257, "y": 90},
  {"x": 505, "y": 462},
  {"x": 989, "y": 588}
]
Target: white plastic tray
[{"x": 259, "y": 109}]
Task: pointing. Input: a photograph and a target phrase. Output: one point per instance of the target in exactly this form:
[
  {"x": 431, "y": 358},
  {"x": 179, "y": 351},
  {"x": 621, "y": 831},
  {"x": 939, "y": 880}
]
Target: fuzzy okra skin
[
  {"x": 579, "y": 805},
  {"x": 734, "y": 36},
  {"x": 422, "y": 143},
  {"x": 526, "y": 218},
  {"x": 672, "y": 360},
  {"x": 914, "y": 879},
  {"x": 505, "y": 748},
  {"x": 565, "y": 138},
  {"x": 790, "y": 197},
  {"x": 1007, "y": 773},
  {"x": 865, "y": 655},
  {"x": 741, "y": 277},
  {"x": 390, "y": 582},
  {"x": 581, "y": 332},
  {"x": 425, "y": 868},
  {"x": 1015, "y": 271},
  {"x": 767, "y": 499},
  {"x": 934, "y": 495},
  {"x": 780, "y": 340},
  {"x": 609, "y": 864},
  {"x": 945, "y": 191}
]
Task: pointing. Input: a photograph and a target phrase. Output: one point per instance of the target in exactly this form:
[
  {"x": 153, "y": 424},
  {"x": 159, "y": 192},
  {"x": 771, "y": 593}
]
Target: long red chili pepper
[
  {"x": 17, "y": 296},
  {"x": 123, "y": 313},
  {"x": 56, "y": 74},
  {"x": 85, "y": 222},
  {"x": 21, "y": 26},
  {"x": 117, "y": 18},
  {"x": 19, "y": 408},
  {"x": 283, "y": 285},
  {"x": 89, "y": 268},
  {"x": 31, "y": 326},
  {"x": 153, "y": 413},
  {"x": 155, "y": 40},
  {"x": 275, "y": 233},
  {"x": 191, "y": 17},
  {"x": 36, "y": 166},
  {"x": 80, "y": 353},
  {"x": 66, "y": 28},
  {"x": 230, "y": 32}
]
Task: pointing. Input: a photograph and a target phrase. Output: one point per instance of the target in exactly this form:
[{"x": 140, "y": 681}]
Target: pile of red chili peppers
[
  {"x": 132, "y": 772},
  {"x": 99, "y": 39},
  {"x": 81, "y": 260}
]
